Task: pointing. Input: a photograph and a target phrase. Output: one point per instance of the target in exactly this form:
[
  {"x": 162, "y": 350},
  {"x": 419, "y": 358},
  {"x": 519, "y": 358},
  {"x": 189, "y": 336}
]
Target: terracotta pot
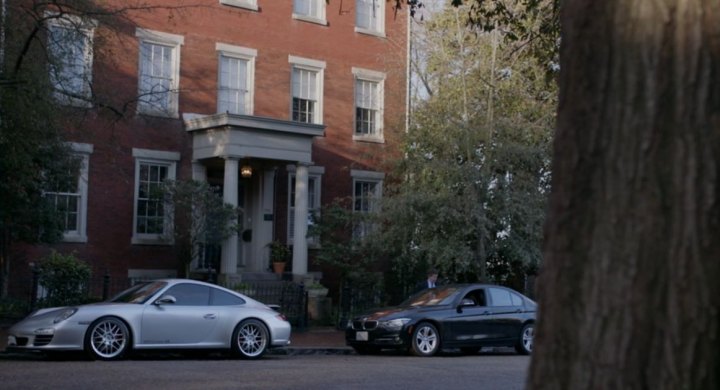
[{"x": 279, "y": 267}]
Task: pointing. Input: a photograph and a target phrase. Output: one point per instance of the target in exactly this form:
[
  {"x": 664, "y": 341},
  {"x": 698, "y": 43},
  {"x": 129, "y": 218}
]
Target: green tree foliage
[
  {"x": 199, "y": 218},
  {"x": 65, "y": 279},
  {"x": 472, "y": 190}
]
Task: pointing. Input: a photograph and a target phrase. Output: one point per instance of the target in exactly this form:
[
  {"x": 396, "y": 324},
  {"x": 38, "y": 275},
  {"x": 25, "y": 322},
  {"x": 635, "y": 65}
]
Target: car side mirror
[
  {"x": 465, "y": 303},
  {"x": 165, "y": 300}
]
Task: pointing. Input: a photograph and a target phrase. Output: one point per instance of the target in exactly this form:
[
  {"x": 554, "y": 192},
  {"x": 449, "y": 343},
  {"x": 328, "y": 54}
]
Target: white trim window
[
  {"x": 370, "y": 17},
  {"x": 72, "y": 202},
  {"x": 70, "y": 45},
  {"x": 307, "y": 90},
  {"x": 367, "y": 192},
  {"x": 310, "y": 11},
  {"x": 247, "y": 4},
  {"x": 314, "y": 185},
  {"x": 151, "y": 222},
  {"x": 235, "y": 79},
  {"x": 159, "y": 73},
  {"x": 369, "y": 102}
]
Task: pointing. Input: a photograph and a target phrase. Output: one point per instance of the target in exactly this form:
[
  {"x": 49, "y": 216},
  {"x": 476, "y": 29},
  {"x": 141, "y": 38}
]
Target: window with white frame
[
  {"x": 369, "y": 87},
  {"x": 235, "y": 79},
  {"x": 159, "y": 72},
  {"x": 70, "y": 45},
  {"x": 71, "y": 202},
  {"x": 152, "y": 168},
  {"x": 370, "y": 17},
  {"x": 367, "y": 192},
  {"x": 307, "y": 90},
  {"x": 310, "y": 11},
  {"x": 314, "y": 184},
  {"x": 247, "y": 4}
]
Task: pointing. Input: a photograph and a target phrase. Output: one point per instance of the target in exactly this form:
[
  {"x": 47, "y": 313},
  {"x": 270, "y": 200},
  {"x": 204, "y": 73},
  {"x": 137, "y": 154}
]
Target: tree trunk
[{"x": 630, "y": 288}]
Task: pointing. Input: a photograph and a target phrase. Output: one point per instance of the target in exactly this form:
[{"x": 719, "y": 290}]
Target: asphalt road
[{"x": 388, "y": 371}]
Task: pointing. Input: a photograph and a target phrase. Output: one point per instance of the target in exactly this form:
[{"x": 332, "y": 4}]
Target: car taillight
[{"x": 281, "y": 317}]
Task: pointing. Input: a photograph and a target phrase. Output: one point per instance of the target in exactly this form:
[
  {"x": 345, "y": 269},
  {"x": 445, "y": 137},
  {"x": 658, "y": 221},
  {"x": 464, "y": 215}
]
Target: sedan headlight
[
  {"x": 395, "y": 324},
  {"x": 64, "y": 315}
]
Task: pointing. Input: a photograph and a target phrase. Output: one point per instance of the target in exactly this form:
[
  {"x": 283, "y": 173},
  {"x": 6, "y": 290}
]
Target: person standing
[{"x": 430, "y": 282}]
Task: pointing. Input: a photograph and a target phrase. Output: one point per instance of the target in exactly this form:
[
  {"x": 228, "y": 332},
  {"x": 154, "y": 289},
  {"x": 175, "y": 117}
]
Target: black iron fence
[
  {"x": 356, "y": 298},
  {"x": 291, "y": 297}
]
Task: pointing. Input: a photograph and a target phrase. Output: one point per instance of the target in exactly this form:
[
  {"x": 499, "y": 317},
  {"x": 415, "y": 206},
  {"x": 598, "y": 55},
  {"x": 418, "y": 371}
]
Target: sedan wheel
[
  {"x": 426, "y": 340},
  {"x": 250, "y": 339},
  {"x": 525, "y": 344},
  {"x": 108, "y": 338}
]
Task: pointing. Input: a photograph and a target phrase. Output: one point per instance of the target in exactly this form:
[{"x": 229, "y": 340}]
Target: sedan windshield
[
  {"x": 139, "y": 293},
  {"x": 432, "y": 297}
]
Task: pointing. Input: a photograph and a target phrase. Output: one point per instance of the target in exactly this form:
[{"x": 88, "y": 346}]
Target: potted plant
[{"x": 279, "y": 254}]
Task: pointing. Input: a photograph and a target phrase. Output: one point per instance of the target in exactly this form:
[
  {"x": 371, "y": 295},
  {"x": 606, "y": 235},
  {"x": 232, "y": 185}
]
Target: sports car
[
  {"x": 467, "y": 317},
  {"x": 160, "y": 314}
]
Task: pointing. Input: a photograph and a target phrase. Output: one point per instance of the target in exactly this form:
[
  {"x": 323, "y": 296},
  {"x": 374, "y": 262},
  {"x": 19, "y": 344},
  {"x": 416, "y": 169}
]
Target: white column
[
  {"x": 228, "y": 263},
  {"x": 199, "y": 172},
  {"x": 300, "y": 255}
]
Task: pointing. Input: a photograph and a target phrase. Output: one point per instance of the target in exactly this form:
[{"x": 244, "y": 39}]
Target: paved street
[{"x": 487, "y": 371}]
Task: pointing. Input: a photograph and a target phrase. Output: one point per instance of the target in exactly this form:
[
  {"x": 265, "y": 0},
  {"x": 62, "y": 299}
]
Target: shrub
[{"x": 64, "y": 278}]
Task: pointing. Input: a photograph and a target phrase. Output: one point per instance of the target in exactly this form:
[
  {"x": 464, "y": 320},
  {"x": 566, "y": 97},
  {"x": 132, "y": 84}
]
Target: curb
[{"x": 295, "y": 351}]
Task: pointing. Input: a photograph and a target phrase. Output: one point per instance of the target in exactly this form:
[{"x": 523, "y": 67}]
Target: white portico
[{"x": 248, "y": 151}]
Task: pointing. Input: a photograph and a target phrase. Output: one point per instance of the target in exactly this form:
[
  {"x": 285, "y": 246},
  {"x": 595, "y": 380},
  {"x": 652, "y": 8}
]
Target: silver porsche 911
[{"x": 161, "y": 314}]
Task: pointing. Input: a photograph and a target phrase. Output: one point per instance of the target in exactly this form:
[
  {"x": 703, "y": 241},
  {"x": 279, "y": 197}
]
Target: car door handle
[{"x": 210, "y": 316}]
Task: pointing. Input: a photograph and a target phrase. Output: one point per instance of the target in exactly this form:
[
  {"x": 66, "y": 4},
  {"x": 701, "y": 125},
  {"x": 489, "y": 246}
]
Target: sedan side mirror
[
  {"x": 165, "y": 300},
  {"x": 465, "y": 303}
]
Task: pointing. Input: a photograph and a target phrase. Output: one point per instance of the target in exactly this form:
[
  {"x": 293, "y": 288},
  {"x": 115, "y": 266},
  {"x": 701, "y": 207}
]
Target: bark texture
[{"x": 630, "y": 288}]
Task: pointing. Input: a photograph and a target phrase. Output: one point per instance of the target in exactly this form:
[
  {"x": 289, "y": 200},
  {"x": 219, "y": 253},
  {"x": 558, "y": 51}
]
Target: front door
[{"x": 186, "y": 322}]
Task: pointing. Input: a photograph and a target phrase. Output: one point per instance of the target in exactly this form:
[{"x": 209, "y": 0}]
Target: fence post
[
  {"x": 304, "y": 304},
  {"x": 106, "y": 286},
  {"x": 34, "y": 291},
  {"x": 344, "y": 304}
]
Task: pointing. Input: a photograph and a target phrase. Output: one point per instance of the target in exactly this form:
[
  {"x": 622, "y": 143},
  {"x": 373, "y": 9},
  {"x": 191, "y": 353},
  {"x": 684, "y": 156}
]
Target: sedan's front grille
[
  {"x": 364, "y": 325},
  {"x": 42, "y": 340}
]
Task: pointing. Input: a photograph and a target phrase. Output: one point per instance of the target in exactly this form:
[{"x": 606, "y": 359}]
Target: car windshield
[
  {"x": 139, "y": 293},
  {"x": 432, "y": 297}
]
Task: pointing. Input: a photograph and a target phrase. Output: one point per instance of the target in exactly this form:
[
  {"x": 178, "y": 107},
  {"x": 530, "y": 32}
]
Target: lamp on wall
[{"x": 246, "y": 171}]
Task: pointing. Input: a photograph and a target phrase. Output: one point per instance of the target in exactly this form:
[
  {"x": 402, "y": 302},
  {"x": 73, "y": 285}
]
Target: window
[
  {"x": 152, "y": 168},
  {"x": 370, "y": 17},
  {"x": 307, "y": 90},
  {"x": 72, "y": 202},
  {"x": 248, "y": 4},
  {"x": 310, "y": 11},
  {"x": 367, "y": 191},
  {"x": 500, "y": 297},
  {"x": 70, "y": 45},
  {"x": 222, "y": 298},
  {"x": 189, "y": 294},
  {"x": 369, "y": 86},
  {"x": 159, "y": 74},
  {"x": 314, "y": 185},
  {"x": 235, "y": 79}
]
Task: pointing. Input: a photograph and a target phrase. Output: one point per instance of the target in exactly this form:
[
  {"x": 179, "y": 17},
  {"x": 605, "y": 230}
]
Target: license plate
[{"x": 361, "y": 336}]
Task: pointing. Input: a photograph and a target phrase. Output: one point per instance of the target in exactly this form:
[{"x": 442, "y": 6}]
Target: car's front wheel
[
  {"x": 425, "y": 340},
  {"x": 527, "y": 336},
  {"x": 250, "y": 339},
  {"x": 108, "y": 338}
]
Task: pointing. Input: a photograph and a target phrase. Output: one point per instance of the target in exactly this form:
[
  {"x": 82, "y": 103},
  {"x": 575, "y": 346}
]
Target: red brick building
[{"x": 278, "y": 102}]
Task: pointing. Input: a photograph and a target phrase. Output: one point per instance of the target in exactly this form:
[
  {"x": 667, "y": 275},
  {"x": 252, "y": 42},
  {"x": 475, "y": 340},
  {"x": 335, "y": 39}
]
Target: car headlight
[
  {"x": 395, "y": 324},
  {"x": 64, "y": 315}
]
